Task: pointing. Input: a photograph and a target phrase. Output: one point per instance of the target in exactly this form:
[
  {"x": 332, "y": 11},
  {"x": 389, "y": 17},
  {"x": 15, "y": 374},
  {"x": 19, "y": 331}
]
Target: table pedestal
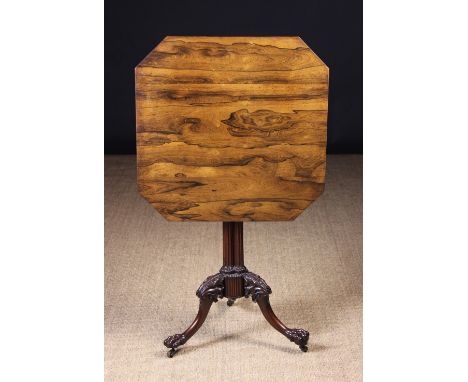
[{"x": 234, "y": 281}]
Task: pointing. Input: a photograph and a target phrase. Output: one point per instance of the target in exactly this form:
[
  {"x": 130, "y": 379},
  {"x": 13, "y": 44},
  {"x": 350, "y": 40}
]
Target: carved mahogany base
[
  {"x": 213, "y": 288},
  {"x": 234, "y": 281}
]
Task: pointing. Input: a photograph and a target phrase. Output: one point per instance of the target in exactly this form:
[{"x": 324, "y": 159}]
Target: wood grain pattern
[{"x": 231, "y": 128}]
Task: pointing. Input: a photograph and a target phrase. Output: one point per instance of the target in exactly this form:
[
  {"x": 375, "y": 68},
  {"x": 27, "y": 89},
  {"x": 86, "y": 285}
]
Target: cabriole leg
[
  {"x": 298, "y": 336},
  {"x": 210, "y": 290}
]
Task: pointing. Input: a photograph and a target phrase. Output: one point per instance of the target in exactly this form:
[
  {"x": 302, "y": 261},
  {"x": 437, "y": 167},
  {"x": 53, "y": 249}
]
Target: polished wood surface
[{"x": 231, "y": 128}]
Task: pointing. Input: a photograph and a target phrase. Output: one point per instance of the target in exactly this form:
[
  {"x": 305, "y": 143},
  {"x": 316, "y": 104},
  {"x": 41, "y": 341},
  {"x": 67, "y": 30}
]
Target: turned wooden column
[{"x": 233, "y": 259}]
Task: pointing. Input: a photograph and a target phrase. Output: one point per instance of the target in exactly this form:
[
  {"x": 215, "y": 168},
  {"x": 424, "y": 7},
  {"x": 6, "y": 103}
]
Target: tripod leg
[
  {"x": 256, "y": 287},
  {"x": 210, "y": 290},
  {"x": 298, "y": 336},
  {"x": 177, "y": 340}
]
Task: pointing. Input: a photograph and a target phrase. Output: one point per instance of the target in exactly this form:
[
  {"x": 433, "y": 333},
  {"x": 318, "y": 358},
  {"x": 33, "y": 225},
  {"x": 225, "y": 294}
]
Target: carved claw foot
[
  {"x": 175, "y": 341},
  {"x": 208, "y": 292},
  {"x": 213, "y": 288},
  {"x": 299, "y": 337}
]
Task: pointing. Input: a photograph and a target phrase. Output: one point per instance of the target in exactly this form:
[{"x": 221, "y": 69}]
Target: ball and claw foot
[{"x": 230, "y": 302}]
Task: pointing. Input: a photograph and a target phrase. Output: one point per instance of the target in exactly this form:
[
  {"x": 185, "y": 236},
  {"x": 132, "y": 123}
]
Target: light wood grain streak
[{"x": 231, "y": 129}]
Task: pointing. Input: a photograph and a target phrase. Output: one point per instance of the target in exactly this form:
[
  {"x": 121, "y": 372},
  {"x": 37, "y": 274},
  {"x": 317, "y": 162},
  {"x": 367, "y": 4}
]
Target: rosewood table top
[{"x": 231, "y": 128}]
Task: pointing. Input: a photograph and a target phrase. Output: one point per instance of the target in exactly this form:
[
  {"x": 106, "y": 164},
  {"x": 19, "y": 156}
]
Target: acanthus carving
[
  {"x": 234, "y": 281},
  {"x": 212, "y": 288},
  {"x": 255, "y": 286}
]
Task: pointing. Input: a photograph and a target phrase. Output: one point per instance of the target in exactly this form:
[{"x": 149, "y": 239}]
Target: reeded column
[{"x": 233, "y": 259}]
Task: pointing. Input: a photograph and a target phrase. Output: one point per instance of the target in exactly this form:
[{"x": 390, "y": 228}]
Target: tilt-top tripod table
[{"x": 231, "y": 129}]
